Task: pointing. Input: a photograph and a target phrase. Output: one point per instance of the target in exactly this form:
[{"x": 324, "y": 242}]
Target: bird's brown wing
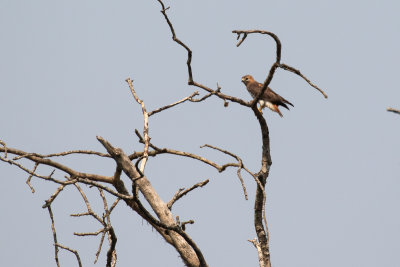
[
  {"x": 274, "y": 98},
  {"x": 254, "y": 89}
]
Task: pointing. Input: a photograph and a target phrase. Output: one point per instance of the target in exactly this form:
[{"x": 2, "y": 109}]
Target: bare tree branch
[
  {"x": 158, "y": 150},
  {"x": 276, "y": 64},
  {"x": 240, "y": 166},
  {"x": 272, "y": 70},
  {"x": 48, "y": 162},
  {"x": 296, "y": 71},
  {"x": 259, "y": 251},
  {"x": 181, "y": 241},
  {"x": 176, "y": 229},
  {"x": 397, "y": 111},
  {"x": 28, "y": 181},
  {"x": 102, "y": 230},
  {"x": 73, "y": 251},
  {"x": 65, "y": 153},
  {"x": 273, "y": 35},
  {"x": 207, "y": 95},
  {"x": 190, "y": 98},
  {"x": 53, "y": 196},
  {"x": 189, "y": 67},
  {"x": 89, "y": 208},
  {"x": 189, "y": 52},
  {"x": 118, "y": 185},
  {"x": 53, "y": 229},
  {"x": 145, "y": 127},
  {"x": 48, "y": 177},
  {"x": 57, "y": 245},
  {"x": 111, "y": 253},
  {"x": 181, "y": 192},
  {"x": 112, "y": 237}
]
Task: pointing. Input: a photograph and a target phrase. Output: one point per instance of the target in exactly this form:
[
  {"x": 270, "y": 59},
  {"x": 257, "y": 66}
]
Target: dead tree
[{"x": 139, "y": 188}]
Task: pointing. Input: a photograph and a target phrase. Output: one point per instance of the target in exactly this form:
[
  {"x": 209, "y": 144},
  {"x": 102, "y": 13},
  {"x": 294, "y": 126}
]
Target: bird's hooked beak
[{"x": 243, "y": 79}]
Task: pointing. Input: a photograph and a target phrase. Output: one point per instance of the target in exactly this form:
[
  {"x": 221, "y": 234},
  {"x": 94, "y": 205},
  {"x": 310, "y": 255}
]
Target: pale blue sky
[{"x": 334, "y": 189}]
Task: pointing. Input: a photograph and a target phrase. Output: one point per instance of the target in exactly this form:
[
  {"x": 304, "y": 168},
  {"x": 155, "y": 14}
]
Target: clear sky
[{"x": 334, "y": 191}]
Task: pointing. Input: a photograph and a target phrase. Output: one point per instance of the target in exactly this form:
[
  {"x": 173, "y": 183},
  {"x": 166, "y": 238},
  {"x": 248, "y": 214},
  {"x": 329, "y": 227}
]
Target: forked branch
[
  {"x": 262, "y": 244},
  {"x": 277, "y": 63},
  {"x": 57, "y": 245}
]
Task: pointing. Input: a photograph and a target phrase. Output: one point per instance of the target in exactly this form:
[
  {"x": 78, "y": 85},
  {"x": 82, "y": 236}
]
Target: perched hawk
[{"x": 269, "y": 99}]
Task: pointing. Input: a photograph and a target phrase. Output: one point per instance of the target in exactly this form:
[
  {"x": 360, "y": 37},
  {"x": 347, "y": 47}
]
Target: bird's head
[{"x": 247, "y": 79}]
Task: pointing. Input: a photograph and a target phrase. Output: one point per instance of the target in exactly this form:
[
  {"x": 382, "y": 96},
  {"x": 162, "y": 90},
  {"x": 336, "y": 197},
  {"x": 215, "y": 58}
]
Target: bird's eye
[{"x": 246, "y": 79}]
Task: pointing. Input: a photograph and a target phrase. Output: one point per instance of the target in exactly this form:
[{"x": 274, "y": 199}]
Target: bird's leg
[{"x": 260, "y": 109}]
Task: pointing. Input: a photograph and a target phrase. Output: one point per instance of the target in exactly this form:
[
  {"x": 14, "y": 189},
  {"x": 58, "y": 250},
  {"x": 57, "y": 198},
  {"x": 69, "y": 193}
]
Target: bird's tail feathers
[
  {"x": 285, "y": 106},
  {"x": 287, "y": 102}
]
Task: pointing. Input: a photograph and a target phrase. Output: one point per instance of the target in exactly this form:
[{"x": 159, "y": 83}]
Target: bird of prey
[{"x": 269, "y": 99}]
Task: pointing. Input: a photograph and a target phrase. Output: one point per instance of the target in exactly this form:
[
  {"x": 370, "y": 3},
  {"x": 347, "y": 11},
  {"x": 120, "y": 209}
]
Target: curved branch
[
  {"x": 296, "y": 71},
  {"x": 276, "y": 64},
  {"x": 59, "y": 166},
  {"x": 273, "y": 35},
  {"x": 239, "y": 165},
  {"x": 189, "y": 67},
  {"x": 158, "y": 150},
  {"x": 189, "y": 52},
  {"x": 57, "y": 245}
]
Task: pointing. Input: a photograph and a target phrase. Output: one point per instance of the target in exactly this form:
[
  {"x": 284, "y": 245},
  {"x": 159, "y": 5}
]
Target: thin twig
[
  {"x": 145, "y": 126},
  {"x": 65, "y": 153},
  {"x": 48, "y": 177},
  {"x": 73, "y": 251},
  {"x": 181, "y": 192},
  {"x": 51, "y": 163},
  {"x": 55, "y": 194},
  {"x": 112, "y": 192},
  {"x": 89, "y": 208},
  {"x": 103, "y": 235},
  {"x": 239, "y": 165},
  {"x": 397, "y": 111},
  {"x": 158, "y": 150},
  {"x": 90, "y": 233},
  {"x": 53, "y": 229},
  {"x": 57, "y": 245},
  {"x": 112, "y": 238},
  {"x": 207, "y": 95},
  {"x": 183, "y": 225},
  {"x": 189, "y": 52},
  {"x": 296, "y": 71},
  {"x": 190, "y": 98},
  {"x": 189, "y": 67},
  {"x": 114, "y": 205},
  {"x": 28, "y": 181}
]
